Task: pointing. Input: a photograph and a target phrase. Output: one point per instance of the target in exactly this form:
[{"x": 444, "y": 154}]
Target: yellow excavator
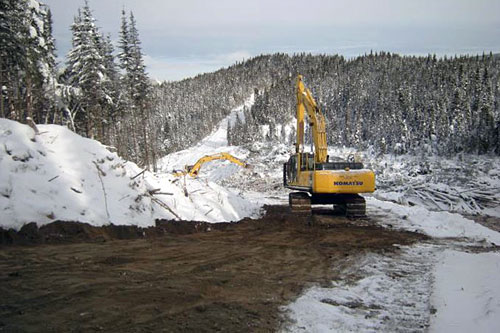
[
  {"x": 317, "y": 179},
  {"x": 193, "y": 170}
]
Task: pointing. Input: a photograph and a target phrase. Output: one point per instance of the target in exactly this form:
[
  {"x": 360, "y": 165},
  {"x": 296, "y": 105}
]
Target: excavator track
[
  {"x": 350, "y": 205},
  {"x": 355, "y": 206},
  {"x": 299, "y": 202}
]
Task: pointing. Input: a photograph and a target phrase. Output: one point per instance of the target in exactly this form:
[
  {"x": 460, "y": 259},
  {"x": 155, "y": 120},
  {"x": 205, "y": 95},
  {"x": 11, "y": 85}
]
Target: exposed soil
[
  {"x": 491, "y": 222},
  {"x": 179, "y": 276}
]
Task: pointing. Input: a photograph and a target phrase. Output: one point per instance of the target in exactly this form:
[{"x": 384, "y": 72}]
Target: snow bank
[
  {"x": 435, "y": 224},
  {"x": 206, "y": 201},
  {"x": 466, "y": 292},
  {"x": 59, "y": 175}
]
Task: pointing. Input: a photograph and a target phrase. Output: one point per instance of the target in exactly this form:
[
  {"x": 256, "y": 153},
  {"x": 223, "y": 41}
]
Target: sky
[{"x": 184, "y": 38}]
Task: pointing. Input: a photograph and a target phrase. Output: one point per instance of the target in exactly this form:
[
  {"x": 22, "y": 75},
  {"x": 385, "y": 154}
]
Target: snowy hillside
[
  {"x": 59, "y": 175},
  {"x": 263, "y": 176},
  {"x": 216, "y": 142}
]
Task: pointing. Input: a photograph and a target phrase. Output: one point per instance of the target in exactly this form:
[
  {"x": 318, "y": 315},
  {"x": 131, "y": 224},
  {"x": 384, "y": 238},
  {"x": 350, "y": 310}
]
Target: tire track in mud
[
  {"x": 376, "y": 292},
  {"x": 184, "y": 276},
  {"x": 388, "y": 291}
]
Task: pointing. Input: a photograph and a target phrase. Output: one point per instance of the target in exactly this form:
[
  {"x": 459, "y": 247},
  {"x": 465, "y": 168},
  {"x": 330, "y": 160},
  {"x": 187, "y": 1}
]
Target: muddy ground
[{"x": 182, "y": 276}]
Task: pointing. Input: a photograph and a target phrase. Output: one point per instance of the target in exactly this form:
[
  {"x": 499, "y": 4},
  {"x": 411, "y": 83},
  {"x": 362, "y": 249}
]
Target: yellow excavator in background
[
  {"x": 193, "y": 170},
  {"x": 318, "y": 180}
]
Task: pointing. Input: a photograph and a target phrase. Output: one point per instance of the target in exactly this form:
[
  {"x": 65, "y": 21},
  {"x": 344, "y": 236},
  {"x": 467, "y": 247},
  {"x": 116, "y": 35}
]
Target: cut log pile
[
  {"x": 454, "y": 199},
  {"x": 466, "y": 187}
]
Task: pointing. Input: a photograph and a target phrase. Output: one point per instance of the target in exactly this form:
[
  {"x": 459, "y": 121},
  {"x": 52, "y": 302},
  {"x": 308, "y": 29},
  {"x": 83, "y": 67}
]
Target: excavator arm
[
  {"x": 306, "y": 103},
  {"x": 194, "y": 169}
]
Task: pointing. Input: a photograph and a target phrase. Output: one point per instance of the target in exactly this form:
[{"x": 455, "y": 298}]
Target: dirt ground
[
  {"x": 182, "y": 276},
  {"x": 491, "y": 222}
]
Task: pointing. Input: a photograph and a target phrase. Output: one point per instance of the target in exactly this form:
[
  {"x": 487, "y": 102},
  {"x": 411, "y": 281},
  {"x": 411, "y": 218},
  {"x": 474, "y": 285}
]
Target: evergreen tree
[
  {"x": 86, "y": 71},
  {"x": 124, "y": 55},
  {"x": 393, "y": 103},
  {"x": 27, "y": 64},
  {"x": 137, "y": 90},
  {"x": 486, "y": 124},
  {"x": 12, "y": 55},
  {"x": 112, "y": 107},
  {"x": 53, "y": 114}
]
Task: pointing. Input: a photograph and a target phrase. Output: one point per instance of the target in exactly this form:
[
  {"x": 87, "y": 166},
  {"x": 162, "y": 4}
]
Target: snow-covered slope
[
  {"x": 256, "y": 185},
  {"x": 212, "y": 144},
  {"x": 59, "y": 175}
]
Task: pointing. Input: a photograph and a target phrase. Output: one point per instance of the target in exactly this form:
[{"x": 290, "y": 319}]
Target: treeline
[
  {"x": 382, "y": 101},
  {"x": 189, "y": 110},
  {"x": 387, "y": 102},
  {"x": 97, "y": 94}
]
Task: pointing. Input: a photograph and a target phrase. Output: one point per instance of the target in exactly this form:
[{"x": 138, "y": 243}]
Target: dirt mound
[
  {"x": 179, "y": 276},
  {"x": 64, "y": 232}
]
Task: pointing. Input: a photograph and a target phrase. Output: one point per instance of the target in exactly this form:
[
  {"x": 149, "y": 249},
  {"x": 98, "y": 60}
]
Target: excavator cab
[
  {"x": 290, "y": 171},
  {"x": 306, "y": 161}
]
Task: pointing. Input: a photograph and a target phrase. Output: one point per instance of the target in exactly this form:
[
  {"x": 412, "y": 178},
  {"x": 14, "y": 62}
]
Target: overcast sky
[{"x": 182, "y": 38}]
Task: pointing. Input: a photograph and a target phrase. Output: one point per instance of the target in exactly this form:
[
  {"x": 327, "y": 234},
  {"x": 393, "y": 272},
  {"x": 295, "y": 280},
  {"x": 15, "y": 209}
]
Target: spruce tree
[
  {"x": 137, "y": 90},
  {"x": 12, "y": 55},
  {"x": 86, "y": 71},
  {"x": 486, "y": 124},
  {"x": 26, "y": 60},
  {"x": 50, "y": 83}
]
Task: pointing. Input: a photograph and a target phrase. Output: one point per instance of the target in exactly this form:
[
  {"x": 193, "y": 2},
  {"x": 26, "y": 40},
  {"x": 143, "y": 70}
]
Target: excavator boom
[
  {"x": 193, "y": 170},
  {"x": 306, "y": 103}
]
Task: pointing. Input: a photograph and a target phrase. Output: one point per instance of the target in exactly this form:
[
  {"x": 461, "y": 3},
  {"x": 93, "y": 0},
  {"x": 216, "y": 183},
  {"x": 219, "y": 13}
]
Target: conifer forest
[{"x": 380, "y": 101}]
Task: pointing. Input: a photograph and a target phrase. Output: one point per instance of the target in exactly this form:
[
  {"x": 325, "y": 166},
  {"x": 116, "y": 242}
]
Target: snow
[
  {"x": 492, "y": 212},
  {"x": 59, "y": 175},
  {"x": 33, "y": 4},
  {"x": 33, "y": 32},
  {"x": 391, "y": 293},
  {"x": 399, "y": 292},
  {"x": 206, "y": 201},
  {"x": 466, "y": 292},
  {"x": 239, "y": 112},
  {"x": 216, "y": 142},
  {"x": 436, "y": 224}
]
